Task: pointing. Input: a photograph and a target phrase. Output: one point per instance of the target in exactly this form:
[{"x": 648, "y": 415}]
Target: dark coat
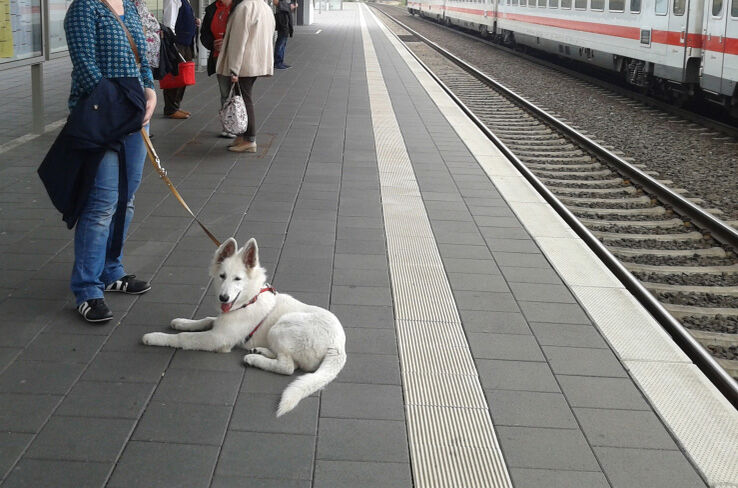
[
  {"x": 206, "y": 36},
  {"x": 98, "y": 123},
  {"x": 169, "y": 57},
  {"x": 283, "y": 23}
]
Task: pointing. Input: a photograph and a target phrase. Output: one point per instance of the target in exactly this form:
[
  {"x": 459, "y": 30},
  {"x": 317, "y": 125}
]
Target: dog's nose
[{"x": 223, "y": 298}]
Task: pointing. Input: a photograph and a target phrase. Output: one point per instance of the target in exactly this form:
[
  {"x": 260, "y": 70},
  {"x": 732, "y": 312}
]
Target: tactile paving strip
[{"x": 452, "y": 440}]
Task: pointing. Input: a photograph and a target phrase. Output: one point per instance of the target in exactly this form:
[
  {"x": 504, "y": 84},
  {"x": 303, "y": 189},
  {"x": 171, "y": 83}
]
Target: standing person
[
  {"x": 180, "y": 18},
  {"x": 283, "y": 20},
  {"x": 152, "y": 33},
  {"x": 100, "y": 51},
  {"x": 247, "y": 53},
  {"x": 211, "y": 35}
]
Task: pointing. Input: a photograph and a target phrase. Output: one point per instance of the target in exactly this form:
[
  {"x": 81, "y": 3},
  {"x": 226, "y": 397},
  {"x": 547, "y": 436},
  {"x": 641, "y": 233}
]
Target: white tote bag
[{"x": 233, "y": 115}]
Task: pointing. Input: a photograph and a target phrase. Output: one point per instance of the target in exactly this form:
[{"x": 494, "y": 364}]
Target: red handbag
[{"x": 185, "y": 77}]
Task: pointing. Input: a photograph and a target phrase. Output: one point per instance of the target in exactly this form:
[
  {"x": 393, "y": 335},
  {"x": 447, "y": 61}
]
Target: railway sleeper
[
  {"x": 538, "y": 131},
  {"x": 603, "y": 173},
  {"x": 620, "y": 211},
  {"x": 646, "y": 224},
  {"x": 566, "y": 168},
  {"x": 575, "y": 156},
  {"x": 602, "y": 192},
  {"x": 731, "y": 291},
  {"x": 679, "y": 311},
  {"x": 541, "y": 145},
  {"x": 729, "y": 365},
  {"x": 678, "y": 270},
  {"x": 637, "y": 200},
  {"x": 616, "y": 236},
  {"x": 712, "y": 252},
  {"x": 611, "y": 183},
  {"x": 714, "y": 338}
]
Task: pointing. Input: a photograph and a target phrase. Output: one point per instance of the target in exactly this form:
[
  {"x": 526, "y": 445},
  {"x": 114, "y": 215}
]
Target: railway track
[{"x": 682, "y": 254}]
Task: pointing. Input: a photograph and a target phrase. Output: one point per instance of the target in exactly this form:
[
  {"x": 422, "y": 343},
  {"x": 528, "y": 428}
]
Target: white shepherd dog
[{"x": 280, "y": 332}]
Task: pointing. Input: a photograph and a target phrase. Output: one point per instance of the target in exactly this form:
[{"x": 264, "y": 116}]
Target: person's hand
[
  {"x": 197, "y": 22},
  {"x": 217, "y": 44},
  {"x": 150, "y": 105},
  {"x": 293, "y": 6},
  {"x": 234, "y": 79}
]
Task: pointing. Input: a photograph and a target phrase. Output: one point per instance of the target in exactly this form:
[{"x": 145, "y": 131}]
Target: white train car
[{"x": 679, "y": 47}]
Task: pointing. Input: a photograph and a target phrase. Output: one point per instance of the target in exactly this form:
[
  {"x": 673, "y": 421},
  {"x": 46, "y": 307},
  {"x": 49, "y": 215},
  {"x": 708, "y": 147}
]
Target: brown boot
[
  {"x": 247, "y": 146},
  {"x": 179, "y": 114}
]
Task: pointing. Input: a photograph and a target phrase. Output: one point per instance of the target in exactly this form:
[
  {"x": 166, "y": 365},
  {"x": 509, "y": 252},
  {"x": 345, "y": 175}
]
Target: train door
[
  {"x": 730, "y": 54},
  {"x": 676, "y": 49},
  {"x": 713, "y": 52}
]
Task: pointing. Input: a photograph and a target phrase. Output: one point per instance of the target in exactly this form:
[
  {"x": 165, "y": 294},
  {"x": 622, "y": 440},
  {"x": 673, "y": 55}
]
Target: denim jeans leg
[
  {"x": 279, "y": 49},
  {"x": 91, "y": 233},
  {"x": 135, "y": 159}
]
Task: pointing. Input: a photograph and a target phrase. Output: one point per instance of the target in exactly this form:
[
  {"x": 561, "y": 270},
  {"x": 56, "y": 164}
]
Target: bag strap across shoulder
[{"x": 128, "y": 33}]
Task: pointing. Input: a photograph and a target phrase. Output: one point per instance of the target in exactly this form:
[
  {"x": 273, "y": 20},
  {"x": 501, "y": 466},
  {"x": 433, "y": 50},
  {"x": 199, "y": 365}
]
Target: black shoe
[
  {"x": 130, "y": 285},
  {"x": 95, "y": 310}
]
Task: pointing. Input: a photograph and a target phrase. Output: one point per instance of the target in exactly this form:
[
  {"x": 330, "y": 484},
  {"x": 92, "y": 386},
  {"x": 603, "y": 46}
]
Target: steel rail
[{"x": 701, "y": 358}]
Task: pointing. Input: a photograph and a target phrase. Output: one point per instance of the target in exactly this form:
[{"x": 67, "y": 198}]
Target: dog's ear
[
  {"x": 226, "y": 250},
  {"x": 250, "y": 254}
]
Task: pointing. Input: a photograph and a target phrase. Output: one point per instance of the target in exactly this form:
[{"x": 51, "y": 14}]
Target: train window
[
  {"x": 635, "y": 6},
  {"x": 680, "y": 5},
  {"x": 661, "y": 7},
  {"x": 734, "y": 9},
  {"x": 542, "y": 3},
  {"x": 523, "y": 3},
  {"x": 597, "y": 5},
  {"x": 717, "y": 8},
  {"x": 555, "y": 3},
  {"x": 618, "y": 5},
  {"x": 565, "y": 3},
  {"x": 580, "y": 4}
]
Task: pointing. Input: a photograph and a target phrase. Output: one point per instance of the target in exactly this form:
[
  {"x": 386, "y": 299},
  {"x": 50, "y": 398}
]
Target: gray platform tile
[
  {"x": 359, "y": 210},
  {"x": 260, "y": 454},
  {"x": 148, "y": 248},
  {"x": 373, "y": 341},
  {"x": 479, "y": 266},
  {"x": 539, "y": 448},
  {"x": 530, "y": 275},
  {"x": 363, "y": 401},
  {"x": 624, "y": 428},
  {"x": 490, "y": 221},
  {"x": 516, "y": 375},
  {"x": 296, "y": 283},
  {"x": 581, "y": 361},
  {"x": 361, "y": 222},
  {"x": 466, "y": 238},
  {"x": 31, "y": 312},
  {"x": 647, "y": 468},
  {"x": 361, "y": 295},
  {"x": 536, "y": 292},
  {"x": 317, "y": 203},
  {"x": 477, "y": 282},
  {"x": 260, "y": 381},
  {"x": 25, "y": 413},
  {"x": 498, "y": 244},
  {"x": 540, "y": 409},
  {"x": 63, "y": 348},
  {"x": 463, "y": 251},
  {"x": 593, "y": 392},
  {"x": 494, "y": 322},
  {"x": 340, "y": 474},
  {"x": 164, "y": 465},
  {"x": 355, "y": 233},
  {"x": 514, "y": 347},
  {"x": 127, "y": 338},
  {"x": 59, "y": 474},
  {"x": 380, "y": 369},
  {"x": 39, "y": 377},
  {"x": 81, "y": 439},
  {"x": 40, "y": 286},
  {"x": 492, "y": 211},
  {"x": 256, "y": 412},
  {"x": 183, "y": 423},
  {"x": 183, "y": 275},
  {"x": 7, "y": 355},
  {"x": 360, "y": 261},
  {"x": 559, "y": 313},
  {"x": 208, "y": 361},
  {"x": 198, "y": 386},
  {"x": 12, "y": 445},
  {"x": 432, "y": 196},
  {"x": 306, "y": 251},
  {"x": 161, "y": 315},
  {"x": 254, "y": 227},
  {"x": 106, "y": 399},
  {"x": 174, "y": 293},
  {"x": 445, "y": 214},
  {"x": 517, "y": 233},
  {"x": 136, "y": 367},
  {"x": 351, "y": 246},
  {"x": 450, "y": 226},
  {"x": 520, "y": 259},
  {"x": 362, "y": 440},
  {"x": 568, "y": 335},
  {"x": 241, "y": 482},
  {"x": 306, "y": 237},
  {"x": 537, "y": 478},
  {"x": 365, "y": 277},
  {"x": 486, "y": 301},
  {"x": 311, "y": 214},
  {"x": 317, "y": 297}
]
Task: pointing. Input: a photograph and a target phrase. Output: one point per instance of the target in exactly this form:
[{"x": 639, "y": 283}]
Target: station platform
[{"x": 487, "y": 347}]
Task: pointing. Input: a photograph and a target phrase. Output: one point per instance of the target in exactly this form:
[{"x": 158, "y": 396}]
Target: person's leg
[
  {"x": 173, "y": 96},
  {"x": 135, "y": 150},
  {"x": 91, "y": 233},
  {"x": 247, "y": 83},
  {"x": 279, "y": 48}
]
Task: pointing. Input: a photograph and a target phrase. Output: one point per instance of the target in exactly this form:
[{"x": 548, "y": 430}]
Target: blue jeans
[
  {"x": 93, "y": 268},
  {"x": 279, "y": 48}
]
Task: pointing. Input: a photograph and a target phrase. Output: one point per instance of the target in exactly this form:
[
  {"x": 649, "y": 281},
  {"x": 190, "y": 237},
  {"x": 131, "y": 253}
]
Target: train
[{"x": 682, "y": 49}]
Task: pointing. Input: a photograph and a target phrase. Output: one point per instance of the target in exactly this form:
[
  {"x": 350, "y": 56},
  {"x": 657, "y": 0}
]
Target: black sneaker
[
  {"x": 95, "y": 310},
  {"x": 130, "y": 285}
]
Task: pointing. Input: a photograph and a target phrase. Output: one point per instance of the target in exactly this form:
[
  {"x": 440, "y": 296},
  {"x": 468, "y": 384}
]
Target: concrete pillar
[{"x": 305, "y": 13}]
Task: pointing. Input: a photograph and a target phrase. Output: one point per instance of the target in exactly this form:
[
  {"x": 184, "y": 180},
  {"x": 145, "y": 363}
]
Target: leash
[{"x": 154, "y": 158}]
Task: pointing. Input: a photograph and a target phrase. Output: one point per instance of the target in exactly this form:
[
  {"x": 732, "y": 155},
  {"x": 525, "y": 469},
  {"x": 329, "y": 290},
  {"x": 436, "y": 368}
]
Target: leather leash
[{"x": 154, "y": 158}]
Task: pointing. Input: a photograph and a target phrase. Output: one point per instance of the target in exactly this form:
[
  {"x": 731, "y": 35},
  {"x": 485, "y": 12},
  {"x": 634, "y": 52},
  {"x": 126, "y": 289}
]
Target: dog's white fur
[{"x": 292, "y": 335}]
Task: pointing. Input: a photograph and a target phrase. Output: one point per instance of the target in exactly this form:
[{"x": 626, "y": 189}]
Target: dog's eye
[
  {"x": 237, "y": 278},
  {"x": 222, "y": 276}
]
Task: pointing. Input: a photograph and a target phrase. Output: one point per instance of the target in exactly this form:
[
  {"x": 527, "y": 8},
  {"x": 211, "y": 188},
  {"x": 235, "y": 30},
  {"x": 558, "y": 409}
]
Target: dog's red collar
[
  {"x": 251, "y": 334},
  {"x": 265, "y": 289}
]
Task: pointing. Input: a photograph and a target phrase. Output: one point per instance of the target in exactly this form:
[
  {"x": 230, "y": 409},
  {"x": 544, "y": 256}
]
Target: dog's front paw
[
  {"x": 178, "y": 324},
  {"x": 155, "y": 339},
  {"x": 252, "y": 359}
]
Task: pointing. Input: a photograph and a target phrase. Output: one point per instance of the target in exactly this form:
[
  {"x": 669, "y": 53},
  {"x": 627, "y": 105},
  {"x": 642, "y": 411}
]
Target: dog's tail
[{"x": 308, "y": 384}]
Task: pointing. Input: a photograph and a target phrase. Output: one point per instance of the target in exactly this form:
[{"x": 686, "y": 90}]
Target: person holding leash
[
  {"x": 100, "y": 50},
  {"x": 247, "y": 53}
]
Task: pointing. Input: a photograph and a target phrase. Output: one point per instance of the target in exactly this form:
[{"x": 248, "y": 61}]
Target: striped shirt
[{"x": 99, "y": 47}]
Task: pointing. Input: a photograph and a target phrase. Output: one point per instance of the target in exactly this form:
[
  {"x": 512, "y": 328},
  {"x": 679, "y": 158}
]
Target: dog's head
[{"x": 238, "y": 270}]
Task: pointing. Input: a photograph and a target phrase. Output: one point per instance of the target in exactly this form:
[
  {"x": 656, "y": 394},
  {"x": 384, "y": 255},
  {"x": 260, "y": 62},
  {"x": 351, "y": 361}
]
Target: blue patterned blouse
[{"x": 99, "y": 47}]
